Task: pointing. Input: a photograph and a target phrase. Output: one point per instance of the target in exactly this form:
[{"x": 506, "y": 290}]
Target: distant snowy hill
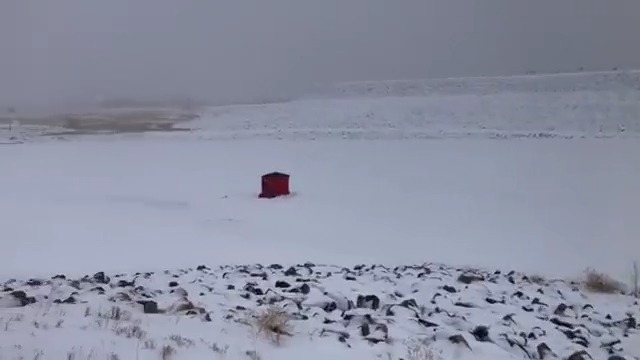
[
  {"x": 594, "y": 105},
  {"x": 623, "y": 82}
]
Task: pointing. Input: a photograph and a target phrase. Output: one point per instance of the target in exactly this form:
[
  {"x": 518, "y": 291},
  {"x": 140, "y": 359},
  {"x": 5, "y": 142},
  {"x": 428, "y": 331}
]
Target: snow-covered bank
[{"x": 421, "y": 312}]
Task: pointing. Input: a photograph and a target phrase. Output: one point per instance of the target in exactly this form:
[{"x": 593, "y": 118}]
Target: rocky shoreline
[{"x": 448, "y": 309}]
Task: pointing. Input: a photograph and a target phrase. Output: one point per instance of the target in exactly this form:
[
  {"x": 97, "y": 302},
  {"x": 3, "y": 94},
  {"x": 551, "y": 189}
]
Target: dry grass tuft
[
  {"x": 130, "y": 331},
  {"x": 420, "y": 350},
  {"x": 274, "y": 323},
  {"x": 601, "y": 283},
  {"x": 167, "y": 352},
  {"x": 115, "y": 313},
  {"x": 181, "y": 341},
  {"x": 149, "y": 344},
  {"x": 253, "y": 355}
]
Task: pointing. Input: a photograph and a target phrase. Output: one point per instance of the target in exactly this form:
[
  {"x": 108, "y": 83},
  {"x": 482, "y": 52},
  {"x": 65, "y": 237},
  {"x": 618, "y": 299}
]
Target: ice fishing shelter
[{"x": 274, "y": 184}]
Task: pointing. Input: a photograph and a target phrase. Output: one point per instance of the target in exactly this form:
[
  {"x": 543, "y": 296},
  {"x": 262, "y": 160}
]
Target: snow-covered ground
[{"x": 541, "y": 181}]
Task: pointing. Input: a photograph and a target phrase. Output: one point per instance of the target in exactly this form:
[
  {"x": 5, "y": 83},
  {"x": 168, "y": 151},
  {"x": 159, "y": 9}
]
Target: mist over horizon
[{"x": 72, "y": 53}]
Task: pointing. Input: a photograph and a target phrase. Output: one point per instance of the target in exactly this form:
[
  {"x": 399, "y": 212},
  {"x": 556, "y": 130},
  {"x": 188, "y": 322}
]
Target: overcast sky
[{"x": 60, "y": 51}]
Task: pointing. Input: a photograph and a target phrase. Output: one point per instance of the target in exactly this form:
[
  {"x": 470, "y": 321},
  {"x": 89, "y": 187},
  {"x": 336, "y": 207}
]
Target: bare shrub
[
  {"x": 167, "y": 351},
  {"x": 537, "y": 279},
  {"x": 130, "y": 332},
  {"x": 601, "y": 283},
  {"x": 115, "y": 313},
  {"x": 149, "y": 344},
  {"x": 219, "y": 350},
  {"x": 253, "y": 355},
  {"x": 274, "y": 323},
  {"x": 181, "y": 341}
]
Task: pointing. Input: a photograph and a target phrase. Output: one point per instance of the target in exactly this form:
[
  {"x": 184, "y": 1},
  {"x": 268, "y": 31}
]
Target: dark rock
[
  {"x": 282, "y": 284},
  {"x": 101, "y": 278},
  {"x": 492, "y": 301},
  {"x": 481, "y": 333},
  {"x": 433, "y": 298},
  {"x": 368, "y": 302},
  {"x": 463, "y": 304},
  {"x": 75, "y": 284},
  {"x": 544, "y": 351},
  {"x": 459, "y": 340},
  {"x": 350, "y": 278},
  {"x": 98, "y": 289},
  {"x": 561, "y": 323},
  {"x": 299, "y": 316},
  {"x": 511, "y": 280},
  {"x": 291, "y": 272},
  {"x": 409, "y": 303},
  {"x": 615, "y": 357},
  {"x": 254, "y": 290},
  {"x": 364, "y": 329},
  {"x": 449, "y": 289},
  {"x": 173, "y": 283},
  {"x": 527, "y": 308},
  {"x": 309, "y": 265},
  {"x": 275, "y": 267},
  {"x": 125, "y": 283},
  {"x": 631, "y": 322},
  {"x": 426, "y": 323},
  {"x": 468, "y": 278},
  {"x": 305, "y": 289},
  {"x": 519, "y": 294},
  {"x": 69, "y": 300},
  {"x": 230, "y": 287},
  {"x": 330, "y": 307},
  {"x": 202, "y": 267},
  {"x": 19, "y": 294},
  {"x": 246, "y": 296},
  {"x": 586, "y": 306},
  {"x": 34, "y": 282},
  {"x": 149, "y": 306},
  {"x": 328, "y": 321},
  {"x": 207, "y": 317},
  {"x": 536, "y": 301},
  {"x": 608, "y": 317},
  {"x": 59, "y": 277},
  {"x": 611, "y": 344},
  {"x": 580, "y": 355},
  {"x": 358, "y": 267},
  {"x": 560, "y": 309},
  {"x": 425, "y": 272},
  {"x": 516, "y": 343},
  {"x": 263, "y": 276},
  {"x": 509, "y": 318},
  {"x": 23, "y": 298}
]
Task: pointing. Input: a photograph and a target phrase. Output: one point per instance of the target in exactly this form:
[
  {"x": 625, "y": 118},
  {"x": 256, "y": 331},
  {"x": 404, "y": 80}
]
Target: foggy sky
[{"x": 73, "y": 51}]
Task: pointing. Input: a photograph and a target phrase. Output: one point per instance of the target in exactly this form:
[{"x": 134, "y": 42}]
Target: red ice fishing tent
[{"x": 274, "y": 184}]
